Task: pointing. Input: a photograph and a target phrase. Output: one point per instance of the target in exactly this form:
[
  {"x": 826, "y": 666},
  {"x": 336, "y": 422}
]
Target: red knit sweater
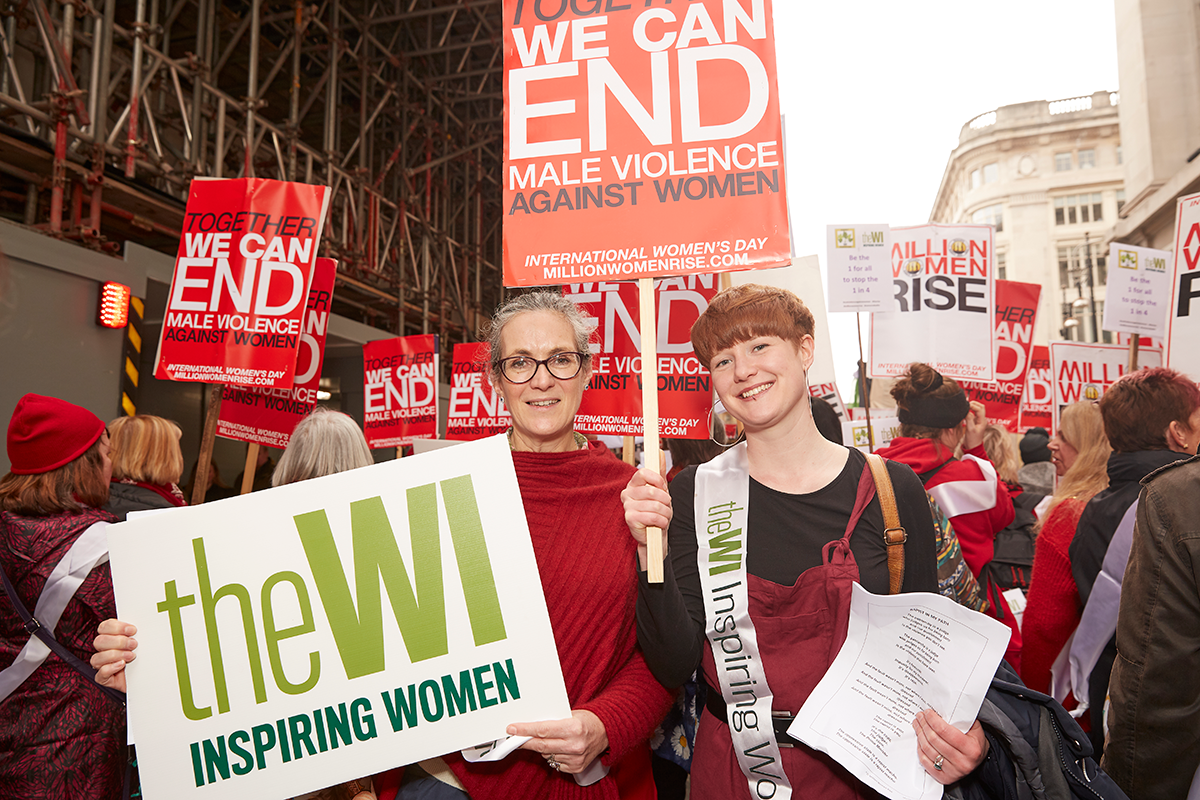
[
  {"x": 587, "y": 560},
  {"x": 1052, "y": 608}
]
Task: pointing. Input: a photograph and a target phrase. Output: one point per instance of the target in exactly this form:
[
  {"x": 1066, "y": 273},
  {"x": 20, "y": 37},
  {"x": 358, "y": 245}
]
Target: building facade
[
  {"x": 1048, "y": 175},
  {"x": 1158, "y": 59}
]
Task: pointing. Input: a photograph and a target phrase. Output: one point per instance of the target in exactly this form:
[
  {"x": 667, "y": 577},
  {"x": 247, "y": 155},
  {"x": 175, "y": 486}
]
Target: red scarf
[{"x": 167, "y": 491}]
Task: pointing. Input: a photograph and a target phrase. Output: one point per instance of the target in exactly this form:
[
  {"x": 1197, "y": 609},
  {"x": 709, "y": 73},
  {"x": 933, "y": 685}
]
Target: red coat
[
  {"x": 976, "y": 531},
  {"x": 1052, "y": 611},
  {"x": 60, "y": 736}
]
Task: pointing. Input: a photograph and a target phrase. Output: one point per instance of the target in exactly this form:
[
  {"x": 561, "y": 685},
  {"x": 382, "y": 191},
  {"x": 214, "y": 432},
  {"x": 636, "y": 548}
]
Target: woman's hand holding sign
[
  {"x": 568, "y": 745},
  {"x": 115, "y": 648}
]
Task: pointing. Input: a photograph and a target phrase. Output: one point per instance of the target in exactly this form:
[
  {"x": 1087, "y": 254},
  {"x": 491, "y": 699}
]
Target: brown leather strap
[{"x": 894, "y": 535}]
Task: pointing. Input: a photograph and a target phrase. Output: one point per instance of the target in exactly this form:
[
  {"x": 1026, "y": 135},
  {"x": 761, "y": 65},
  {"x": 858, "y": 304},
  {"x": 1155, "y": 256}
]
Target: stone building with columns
[
  {"x": 1158, "y": 59},
  {"x": 1048, "y": 175}
]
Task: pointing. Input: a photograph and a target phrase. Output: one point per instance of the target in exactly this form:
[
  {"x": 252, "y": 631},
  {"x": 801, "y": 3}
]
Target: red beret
[{"x": 45, "y": 433}]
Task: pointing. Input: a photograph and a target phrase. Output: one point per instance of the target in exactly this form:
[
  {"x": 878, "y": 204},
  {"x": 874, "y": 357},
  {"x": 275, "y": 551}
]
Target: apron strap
[{"x": 866, "y": 492}]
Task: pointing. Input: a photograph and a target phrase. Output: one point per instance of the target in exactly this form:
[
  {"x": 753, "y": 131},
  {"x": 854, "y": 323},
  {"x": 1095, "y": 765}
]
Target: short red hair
[
  {"x": 1138, "y": 408},
  {"x": 741, "y": 313}
]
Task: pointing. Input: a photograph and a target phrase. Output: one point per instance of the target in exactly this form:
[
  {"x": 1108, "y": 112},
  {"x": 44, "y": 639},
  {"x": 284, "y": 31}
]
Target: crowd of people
[{"x": 1101, "y": 598}]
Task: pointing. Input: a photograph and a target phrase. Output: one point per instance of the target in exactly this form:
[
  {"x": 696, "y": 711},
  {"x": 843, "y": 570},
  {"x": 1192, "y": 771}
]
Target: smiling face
[
  {"x": 762, "y": 381},
  {"x": 1062, "y": 454},
  {"x": 543, "y": 410}
]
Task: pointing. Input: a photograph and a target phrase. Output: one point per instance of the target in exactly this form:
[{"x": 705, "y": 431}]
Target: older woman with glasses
[{"x": 571, "y": 489}]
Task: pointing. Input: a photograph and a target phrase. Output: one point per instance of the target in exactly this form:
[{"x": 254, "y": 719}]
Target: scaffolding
[{"x": 108, "y": 109}]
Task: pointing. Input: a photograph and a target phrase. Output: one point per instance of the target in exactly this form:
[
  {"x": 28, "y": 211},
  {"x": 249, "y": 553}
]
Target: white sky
[{"x": 875, "y": 92}]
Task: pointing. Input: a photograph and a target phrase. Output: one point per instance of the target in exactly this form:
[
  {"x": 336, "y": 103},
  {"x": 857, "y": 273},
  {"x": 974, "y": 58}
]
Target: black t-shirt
[{"x": 786, "y": 535}]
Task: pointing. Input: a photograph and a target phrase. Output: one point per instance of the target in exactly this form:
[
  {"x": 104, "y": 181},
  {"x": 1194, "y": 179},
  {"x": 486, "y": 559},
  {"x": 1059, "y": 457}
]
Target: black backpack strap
[
  {"x": 925, "y": 476},
  {"x": 36, "y": 628}
]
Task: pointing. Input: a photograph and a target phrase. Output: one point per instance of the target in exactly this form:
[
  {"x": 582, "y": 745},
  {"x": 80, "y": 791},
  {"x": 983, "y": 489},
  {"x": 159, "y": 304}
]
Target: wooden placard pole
[
  {"x": 862, "y": 382},
  {"x": 251, "y": 470},
  {"x": 654, "y": 554},
  {"x": 1134, "y": 344},
  {"x": 204, "y": 464},
  {"x": 629, "y": 451}
]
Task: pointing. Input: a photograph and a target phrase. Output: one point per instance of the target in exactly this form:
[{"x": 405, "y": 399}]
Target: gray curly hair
[{"x": 539, "y": 301}]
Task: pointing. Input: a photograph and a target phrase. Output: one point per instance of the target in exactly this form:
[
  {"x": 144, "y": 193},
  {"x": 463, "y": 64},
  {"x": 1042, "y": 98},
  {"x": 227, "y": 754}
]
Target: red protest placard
[
  {"x": 1037, "y": 402},
  {"x": 400, "y": 379},
  {"x": 1083, "y": 372},
  {"x": 476, "y": 410},
  {"x": 268, "y": 416},
  {"x": 640, "y": 141},
  {"x": 612, "y": 403},
  {"x": 236, "y": 307},
  {"x": 1016, "y": 314},
  {"x": 830, "y": 394}
]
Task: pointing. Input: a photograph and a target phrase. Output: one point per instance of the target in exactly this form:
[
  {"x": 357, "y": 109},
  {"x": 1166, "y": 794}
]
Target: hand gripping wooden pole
[{"x": 654, "y": 553}]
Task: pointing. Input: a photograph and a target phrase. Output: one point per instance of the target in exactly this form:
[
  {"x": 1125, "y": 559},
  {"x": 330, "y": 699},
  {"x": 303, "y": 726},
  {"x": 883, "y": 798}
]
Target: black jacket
[
  {"x": 1096, "y": 527},
  {"x": 126, "y": 497},
  {"x": 1036, "y": 750}
]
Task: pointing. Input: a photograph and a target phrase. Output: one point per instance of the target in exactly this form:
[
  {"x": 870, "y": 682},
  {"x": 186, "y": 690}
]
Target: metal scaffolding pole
[{"x": 409, "y": 137}]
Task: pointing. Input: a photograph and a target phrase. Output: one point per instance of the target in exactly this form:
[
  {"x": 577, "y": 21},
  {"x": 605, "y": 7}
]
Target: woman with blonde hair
[
  {"x": 147, "y": 465},
  {"x": 1079, "y": 452},
  {"x": 998, "y": 444}
]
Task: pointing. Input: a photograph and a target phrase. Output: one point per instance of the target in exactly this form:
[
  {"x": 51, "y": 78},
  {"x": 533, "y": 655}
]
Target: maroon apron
[{"x": 800, "y": 630}]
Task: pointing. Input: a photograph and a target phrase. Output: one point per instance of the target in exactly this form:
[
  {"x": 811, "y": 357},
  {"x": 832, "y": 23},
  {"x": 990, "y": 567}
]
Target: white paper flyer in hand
[
  {"x": 860, "y": 268},
  {"x": 903, "y": 654}
]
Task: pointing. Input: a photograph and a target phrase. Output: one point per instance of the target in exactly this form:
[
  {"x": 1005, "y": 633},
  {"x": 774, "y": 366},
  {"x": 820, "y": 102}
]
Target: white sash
[
  {"x": 89, "y": 550},
  {"x": 1099, "y": 620},
  {"x": 967, "y": 497},
  {"x": 722, "y": 497}
]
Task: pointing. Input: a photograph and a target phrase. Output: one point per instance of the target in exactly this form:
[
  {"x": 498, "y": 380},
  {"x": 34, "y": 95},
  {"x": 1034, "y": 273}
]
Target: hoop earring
[{"x": 737, "y": 439}]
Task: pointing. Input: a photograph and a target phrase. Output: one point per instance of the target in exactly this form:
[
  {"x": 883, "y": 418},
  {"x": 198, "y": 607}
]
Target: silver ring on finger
[
  {"x": 941, "y": 759},
  {"x": 554, "y": 765}
]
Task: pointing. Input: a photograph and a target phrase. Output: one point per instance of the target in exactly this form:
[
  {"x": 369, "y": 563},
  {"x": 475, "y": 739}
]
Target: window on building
[
  {"x": 1120, "y": 198},
  {"x": 1065, "y": 264},
  {"x": 988, "y": 173},
  {"x": 1072, "y": 266},
  {"x": 1062, "y": 162},
  {"x": 1001, "y": 265},
  {"x": 1120, "y": 155},
  {"x": 990, "y": 215},
  {"x": 1087, "y": 158},
  {"x": 1077, "y": 208}
]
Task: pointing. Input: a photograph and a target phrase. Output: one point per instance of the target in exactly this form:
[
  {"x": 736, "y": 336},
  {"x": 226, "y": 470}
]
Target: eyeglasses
[{"x": 521, "y": 369}]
